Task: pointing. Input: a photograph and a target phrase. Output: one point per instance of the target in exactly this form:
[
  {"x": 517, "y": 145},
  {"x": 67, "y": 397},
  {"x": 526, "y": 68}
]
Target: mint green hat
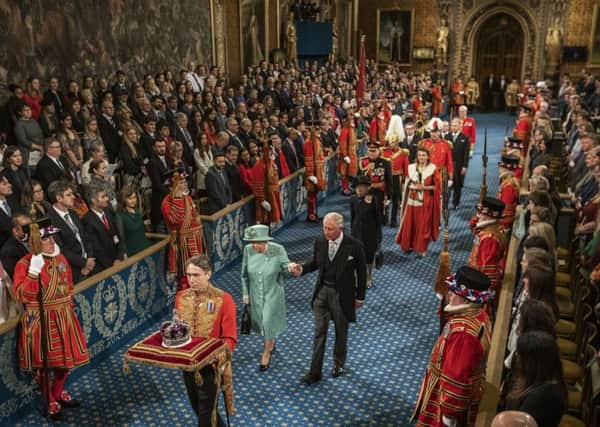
[{"x": 257, "y": 233}]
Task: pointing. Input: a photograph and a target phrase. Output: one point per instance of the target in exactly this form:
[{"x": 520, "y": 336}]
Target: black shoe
[
  {"x": 263, "y": 368},
  {"x": 66, "y": 401},
  {"x": 310, "y": 379},
  {"x": 338, "y": 371}
]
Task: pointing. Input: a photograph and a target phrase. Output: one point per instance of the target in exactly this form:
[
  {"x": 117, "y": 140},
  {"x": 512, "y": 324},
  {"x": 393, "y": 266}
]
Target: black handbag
[
  {"x": 378, "y": 260},
  {"x": 246, "y": 321}
]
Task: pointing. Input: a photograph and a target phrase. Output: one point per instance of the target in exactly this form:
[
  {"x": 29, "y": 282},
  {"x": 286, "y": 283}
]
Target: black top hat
[
  {"x": 471, "y": 284},
  {"x": 362, "y": 180},
  {"x": 45, "y": 226},
  {"x": 170, "y": 173},
  {"x": 373, "y": 144},
  {"x": 491, "y": 206},
  {"x": 509, "y": 161}
]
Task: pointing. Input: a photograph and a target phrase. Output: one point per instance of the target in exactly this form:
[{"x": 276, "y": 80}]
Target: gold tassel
[
  {"x": 126, "y": 368},
  {"x": 444, "y": 268},
  {"x": 35, "y": 241},
  {"x": 198, "y": 377}
]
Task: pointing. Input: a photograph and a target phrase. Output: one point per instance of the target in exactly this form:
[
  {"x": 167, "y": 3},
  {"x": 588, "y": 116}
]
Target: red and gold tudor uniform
[
  {"x": 522, "y": 129},
  {"x": 440, "y": 150},
  {"x": 66, "y": 345},
  {"x": 469, "y": 128},
  {"x": 454, "y": 381},
  {"x": 508, "y": 190},
  {"x": 514, "y": 146},
  {"x": 265, "y": 188},
  {"x": 398, "y": 159},
  {"x": 348, "y": 153},
  {"x": 184, "y": 225},
  {"x": 314, "y": 170},
  {"x": 489, "y": 245}
]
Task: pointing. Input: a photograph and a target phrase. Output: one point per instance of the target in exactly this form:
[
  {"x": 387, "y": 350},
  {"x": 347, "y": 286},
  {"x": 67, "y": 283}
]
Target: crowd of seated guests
[{"x": 553, "y": 342}]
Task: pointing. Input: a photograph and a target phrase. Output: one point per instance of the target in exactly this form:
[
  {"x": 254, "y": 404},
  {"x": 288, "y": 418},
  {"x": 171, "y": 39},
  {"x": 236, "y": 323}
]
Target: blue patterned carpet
[{"x": 388, "y": 347}]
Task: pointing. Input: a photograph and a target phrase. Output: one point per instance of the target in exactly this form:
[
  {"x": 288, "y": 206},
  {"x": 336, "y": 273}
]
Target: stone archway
[{"x": 465, "y": 57}]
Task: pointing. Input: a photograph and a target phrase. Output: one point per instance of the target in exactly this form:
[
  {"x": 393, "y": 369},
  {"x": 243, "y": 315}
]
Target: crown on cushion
[{"x": 175, "y": 333}]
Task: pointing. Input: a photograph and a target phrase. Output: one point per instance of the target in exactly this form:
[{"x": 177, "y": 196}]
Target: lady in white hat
[{"x": 264, "y": 267}]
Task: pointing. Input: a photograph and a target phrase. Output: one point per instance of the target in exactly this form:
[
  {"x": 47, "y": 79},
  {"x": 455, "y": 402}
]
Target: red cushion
[{"x": 198, "y": 353}]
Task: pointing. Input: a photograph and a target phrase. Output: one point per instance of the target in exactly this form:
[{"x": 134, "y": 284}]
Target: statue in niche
[
  {"x": 255, "y": 53},
  {"x": 334, "y": 39},
  {"x": 554, "y": 43},
  {"x": 442, "y": 43},
  {"x": 291, "y": 39}
]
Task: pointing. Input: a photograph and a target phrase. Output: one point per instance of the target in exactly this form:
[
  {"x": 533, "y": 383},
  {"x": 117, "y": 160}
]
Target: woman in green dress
[
  {"x": 264, "y": 267},
  {"x": 130, "y": 223}
]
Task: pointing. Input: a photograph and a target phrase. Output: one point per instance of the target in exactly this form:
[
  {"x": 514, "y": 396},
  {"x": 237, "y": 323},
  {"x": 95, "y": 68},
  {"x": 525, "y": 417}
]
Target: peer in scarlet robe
[
  {"x": 184, "y": 225},
  {"x": 314, "y": 170},
  {"x": 378, "y": 128},
  {"x": 347, "y": 154},
  {"x": 468, "y": 127},
  {"x": 421, "y": 205}
]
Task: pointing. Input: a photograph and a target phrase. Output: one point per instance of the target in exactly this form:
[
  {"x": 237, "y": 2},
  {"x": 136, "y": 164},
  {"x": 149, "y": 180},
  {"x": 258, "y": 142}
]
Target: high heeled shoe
[{"x": 263, "y": 368}]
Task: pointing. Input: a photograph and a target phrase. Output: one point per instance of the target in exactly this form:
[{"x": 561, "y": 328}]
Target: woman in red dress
[{"x": 421, "y": 205}]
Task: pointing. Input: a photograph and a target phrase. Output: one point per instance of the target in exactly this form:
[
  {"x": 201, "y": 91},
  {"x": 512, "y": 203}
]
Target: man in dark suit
[
  {"x": 7, "y": 209},
  {"x": 71, "y": 239},
  {"x": 53, "y": 166},
  {"x": 101, "y": 230},
  {"x": 171, "y": 111},
  {"x": 55, "y": 96},
  {"x": 183, "y": 135},
  {"x": 490, "y": 90},
  {"x": 293, "y": 151},
  {"x": 157, "y": 166},
  {"x": 109, "y": 131},
  {"x": 147, "y": 137},
  {"x": 16, "y": 247},
  {"x": 218, "y": 189},
  {"x": 233, "y": 173},
  {"x": 411, "y": 141},
  {"x": 340, "y": 290},
  {"x": 232, "y": 130},
  {"x": 460, "y": 156}
]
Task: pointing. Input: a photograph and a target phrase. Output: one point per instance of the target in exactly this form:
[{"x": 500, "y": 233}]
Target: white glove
[
  {"x": 450, "y": 183},
  {"x": 313, "y": 179},
  {"x": 36, "y": 264},
  {"x": 246, "y": 299},
  {"x": 347, "y": 159},
  {"x": 266, "y": 205},
  {"x": 450, "y": 422}
]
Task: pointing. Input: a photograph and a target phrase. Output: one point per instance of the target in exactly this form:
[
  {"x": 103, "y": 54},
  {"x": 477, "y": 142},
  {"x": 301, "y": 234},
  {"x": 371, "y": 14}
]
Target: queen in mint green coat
[{"x": 264, "y": 267}]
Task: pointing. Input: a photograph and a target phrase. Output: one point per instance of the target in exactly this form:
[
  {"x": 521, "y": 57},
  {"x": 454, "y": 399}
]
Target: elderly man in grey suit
[{"x": 340, "y": 290}]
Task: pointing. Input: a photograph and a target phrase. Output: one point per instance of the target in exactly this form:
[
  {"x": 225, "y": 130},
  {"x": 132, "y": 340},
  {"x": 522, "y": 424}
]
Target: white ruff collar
[{"x": 55, "y": 253}]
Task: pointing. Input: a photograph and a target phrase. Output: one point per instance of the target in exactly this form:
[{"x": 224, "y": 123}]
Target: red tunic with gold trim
[
  {"x": 487, "y": 253},
  {"x": 455, "y": 377},
  {"x": 437, "y": 104},
  {"x": 377, "y": 129},
  {"x": 458, "y": 90},
  {"x": 185, "y": 229},
  {"x": 265, "y": 187},
  {"x": 67, "y": 348},
  {"x": 522, "y": 131},
  {"x": 314, "y": 165},
  {"x": 469, "y": 128},
  {"x": 398, "y": 160},
  {"x": 508, "y": 192},
  {"x": 440, "y": 154},
  {"x": 348, "y": 146}
]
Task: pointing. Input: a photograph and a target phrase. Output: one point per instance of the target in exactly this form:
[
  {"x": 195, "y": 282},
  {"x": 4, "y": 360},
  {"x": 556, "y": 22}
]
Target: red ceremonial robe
[
  {"x": 440, "y": 154},
  {"x": 469, "y": 129},
  {"x": 67, "y": 348},
  {"x": 265, "y": 186},
  {"x": 508, "y": 192},
  {"x": 421, "y": 209}
]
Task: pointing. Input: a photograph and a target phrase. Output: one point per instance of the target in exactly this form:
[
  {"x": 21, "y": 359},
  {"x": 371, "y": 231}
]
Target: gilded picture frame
[
  {"x": 254, "y": 35},
  {"x": 594, "y": 43},
  {"x": 395, "y": 33}
]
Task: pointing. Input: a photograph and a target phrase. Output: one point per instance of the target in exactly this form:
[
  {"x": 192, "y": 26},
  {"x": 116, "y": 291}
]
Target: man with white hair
[
  {"x": 340, "y": 290},
  {"x": 467, "y": 127}
]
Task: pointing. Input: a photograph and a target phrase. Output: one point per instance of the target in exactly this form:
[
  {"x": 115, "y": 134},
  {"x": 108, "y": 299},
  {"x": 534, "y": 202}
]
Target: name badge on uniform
[
  {"x": 210, "y": 306},
  {"x": 116, "y": 239}
]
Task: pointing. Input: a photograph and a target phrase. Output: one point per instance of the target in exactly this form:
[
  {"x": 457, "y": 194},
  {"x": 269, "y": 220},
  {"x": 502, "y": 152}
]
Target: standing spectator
[
  {"x": 101, "y": 230},
  {"x": 282, "y": 168},
  {"x": 109, "y": 130},
  {"x": 293, "y": 151},
  {"x": 232, "y": 130},
  {"x": 90, "y": 136},
  {"x": 233, "y": 173},
  {"x": 33, "y": 97},
  {"x": 71, "y": 143},
  {"x": 130, "y": 223},
  {"x": 183, "y": 135},
  {"x": 29, "y": 135},
  {"x": 203, "y": 157},
  {"x": 131, "y": 158},
  {"x": 71, "y": 239},
  {"x": 97, "y": 152},
  {"x": 460, "y": 157},
  {"x": 177, "y": 158},
  {"x": 33, "y": 200},
  {"x": 157, "y": 167},
  {"x": 99, "y": 178},
  {"x": 218, "y": 189},
  {"x": 77, "y": 116},
  {"x": 14, "y": 171},
  {"x": 148, "y": 136},
  {"x": 16, "y": 247},
  {"x": 48, "y": 119},
  {"x": 55, "y": 95},
  {"x": 53, "y": 166},
  {"x": 8, "y": 114},
  {"x": 7, "y": 207}
]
